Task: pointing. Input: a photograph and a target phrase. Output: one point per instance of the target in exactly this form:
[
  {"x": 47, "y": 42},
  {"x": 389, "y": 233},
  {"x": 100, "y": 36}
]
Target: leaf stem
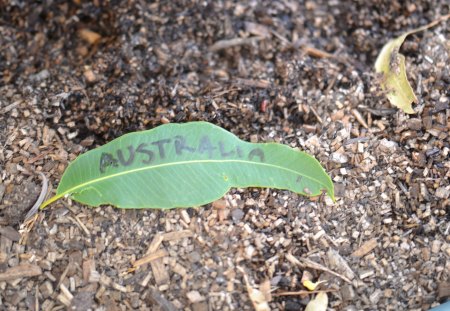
[{"x": 51, "y": 200}]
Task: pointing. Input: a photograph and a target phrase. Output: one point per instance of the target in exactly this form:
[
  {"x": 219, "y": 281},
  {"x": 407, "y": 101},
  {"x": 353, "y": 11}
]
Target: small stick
[
  {"x": 225, "y": 44},
  {"x": 303, "y": 292},
  {"x": 303, "y": 262},
  {"x": 314, "y": 265}
]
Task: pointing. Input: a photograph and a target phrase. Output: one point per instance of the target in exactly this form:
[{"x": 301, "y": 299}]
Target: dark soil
[{"x": 75, "y": 74}]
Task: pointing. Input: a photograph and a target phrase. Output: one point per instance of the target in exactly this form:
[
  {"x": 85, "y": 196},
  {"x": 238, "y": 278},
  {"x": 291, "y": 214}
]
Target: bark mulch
[{"x": 76, "y": 74}]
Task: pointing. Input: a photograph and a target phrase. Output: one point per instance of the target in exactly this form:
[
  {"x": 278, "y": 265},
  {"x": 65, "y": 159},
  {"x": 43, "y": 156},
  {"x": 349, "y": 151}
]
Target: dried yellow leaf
[{"x": 392, "y": 64}]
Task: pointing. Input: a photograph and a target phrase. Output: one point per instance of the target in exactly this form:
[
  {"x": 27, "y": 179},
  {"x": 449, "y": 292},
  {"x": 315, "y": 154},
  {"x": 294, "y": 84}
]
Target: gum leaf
[
  {"x": 392, "y": 64},
  {"x": 185, "y": 165}
]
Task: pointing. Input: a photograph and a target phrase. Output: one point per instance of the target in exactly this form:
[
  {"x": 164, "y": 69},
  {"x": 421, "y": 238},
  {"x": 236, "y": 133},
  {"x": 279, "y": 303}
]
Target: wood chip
[
  {"x": 24, "y": 270},
  {"x": 359, "y": 118},
  {"x": 66, "y": 291},
  {"x": 194, "y": 296},
  {"x": 157, "y": 297},
  {"x": 306, "y": 263},
  {"x": 10, "y": 233},
  {"x": 265, "y": 288},
  {"x": 150, "y": 257},
  {"x": 159, "y": 272},
  {"x": 261, "y": 84},
  {"x": 176, "y": 235},
  {"x": 156, "y": 242},
  {"x": 365, "y": 248},
  {"x": 257, "y": 29},
  {"x": 303, "y": 292},
  {"x": 337, "y": 262},
  {"x": 89, "y": 36},
  {"x": 225, "y": 44},
  {"x": 444, "y": 289},
  {"x": 90, "y": 76}
]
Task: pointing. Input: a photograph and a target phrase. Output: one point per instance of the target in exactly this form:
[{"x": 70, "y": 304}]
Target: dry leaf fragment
[
  {"x": 319, "y": 303},
  {"x": 392, "y": 64}
]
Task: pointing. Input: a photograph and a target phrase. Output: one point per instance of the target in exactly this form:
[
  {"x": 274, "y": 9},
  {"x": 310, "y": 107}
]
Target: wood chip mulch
[{"x": 76, "y": 74}]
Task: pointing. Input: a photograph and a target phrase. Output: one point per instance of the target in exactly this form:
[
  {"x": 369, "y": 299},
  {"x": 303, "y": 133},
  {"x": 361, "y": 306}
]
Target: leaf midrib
[{"x": 91, "y": 182}]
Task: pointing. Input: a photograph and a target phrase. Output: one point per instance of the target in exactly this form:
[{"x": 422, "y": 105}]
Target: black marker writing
[
  {"x": 256, "y": 153},
  {"x": 206, "y": 146},
  {"x": 160, "y": 144},
  {"x": 150, "y": 155},
  {"x": 130, "y": 157},
  {"x": 223, "y": 153},
  {"x": 180, "y": 145},
  {"x": 239, "y": 152},
  {"x": 107, "y": 160}
]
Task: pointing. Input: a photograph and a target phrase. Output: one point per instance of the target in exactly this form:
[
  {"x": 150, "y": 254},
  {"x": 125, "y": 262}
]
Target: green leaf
[
  {"x": 184, "y": 165},
  {"x": 392, "y": 64}
]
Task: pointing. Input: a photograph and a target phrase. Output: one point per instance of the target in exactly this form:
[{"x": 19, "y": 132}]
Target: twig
[
  {"x": 150, "y": 257},
  {"x": 225, "y": 44},
  {"x": 303, "y": 292},
  {"x": 314, "y": 265},
  {"x": 302, "y": 262}
]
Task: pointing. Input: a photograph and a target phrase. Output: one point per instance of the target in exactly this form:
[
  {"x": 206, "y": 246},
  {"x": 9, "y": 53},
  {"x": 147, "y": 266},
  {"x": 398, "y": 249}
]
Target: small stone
[
  {"x": 194, "y": 296},
  {"x": 41, "y": 75},
  {"x": 387, "y": 146},
  {"x": 405, "y": 246},
  {"x": 339, "y": 158},
  {"x": 237, "y": 214}
]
